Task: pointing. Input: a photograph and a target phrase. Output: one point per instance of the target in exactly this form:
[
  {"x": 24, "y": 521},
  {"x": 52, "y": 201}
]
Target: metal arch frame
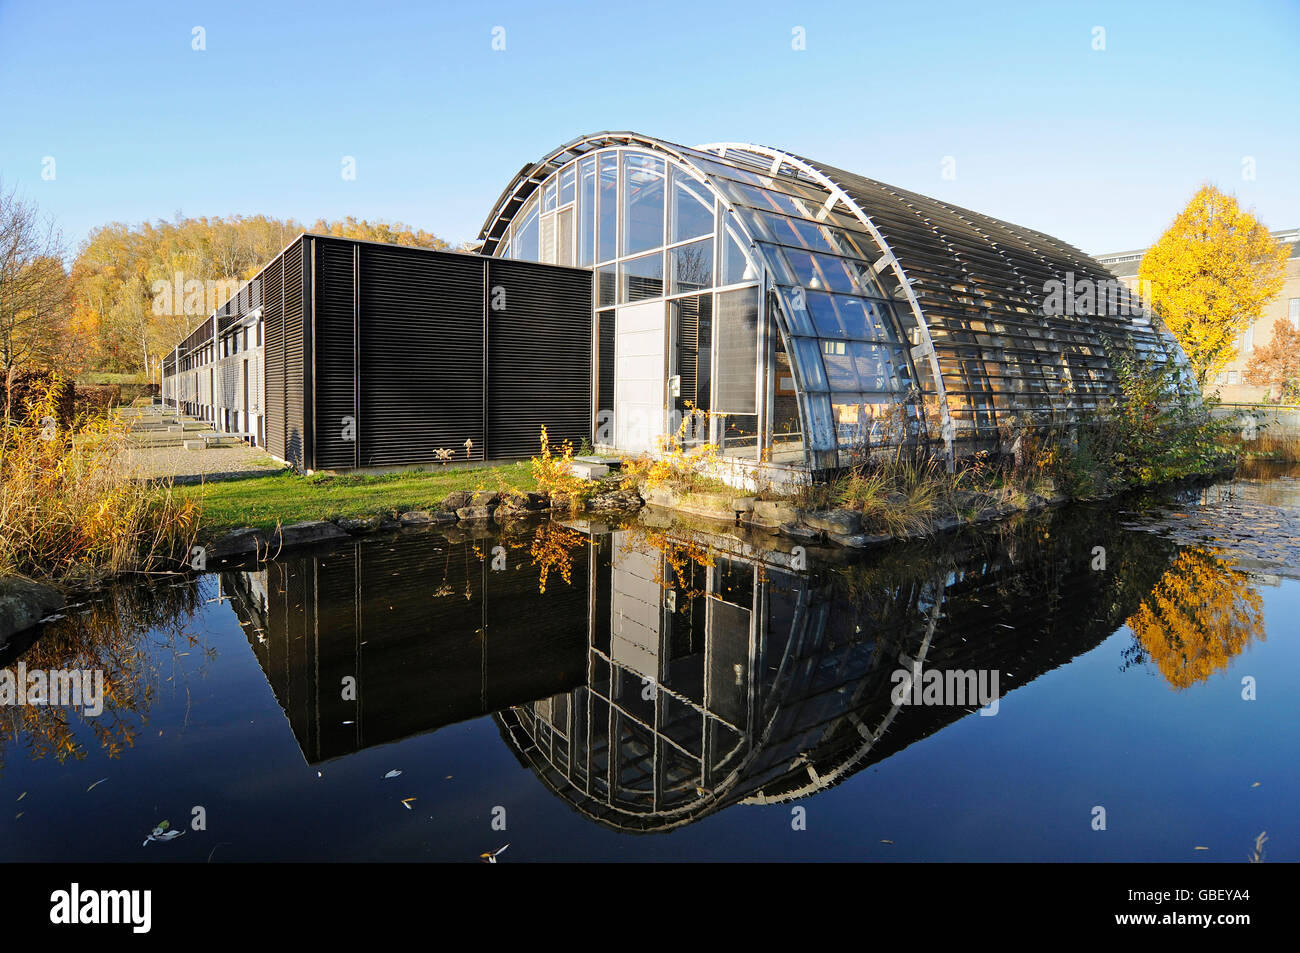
[
  {"x": 847, "y": 764},
  {"x": 516, "y": 196},
  {"x": 724, "y": 792},
  {"x": 780, "y": 157}
]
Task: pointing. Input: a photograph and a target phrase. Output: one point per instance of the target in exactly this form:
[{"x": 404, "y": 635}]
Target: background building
[{"x": 1230, "y": 382}]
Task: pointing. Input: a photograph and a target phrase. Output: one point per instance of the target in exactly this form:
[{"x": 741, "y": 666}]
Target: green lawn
[{"x": 291, "y": 498}]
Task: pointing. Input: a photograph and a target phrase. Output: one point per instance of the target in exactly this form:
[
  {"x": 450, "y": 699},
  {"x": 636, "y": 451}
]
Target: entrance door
[{"x": 639, "y": 375}]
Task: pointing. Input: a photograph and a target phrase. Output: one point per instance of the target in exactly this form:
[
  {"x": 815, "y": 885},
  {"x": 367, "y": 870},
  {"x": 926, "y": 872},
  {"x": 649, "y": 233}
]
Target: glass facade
[{"x": 838, "y": 315}]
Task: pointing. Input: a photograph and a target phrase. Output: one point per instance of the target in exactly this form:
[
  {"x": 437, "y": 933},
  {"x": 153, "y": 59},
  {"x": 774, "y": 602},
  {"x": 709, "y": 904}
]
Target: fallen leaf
[
  {"x": 1255, "y": 785},
  {"x": 886, "y": 841},
  {"x": 96, "y": 784},
  {"x": 21, "y": 796},
  {"x": 1200, "y": 848},
  {"x": 392, "y": 774},
  {"x": 406, "y": 802}
]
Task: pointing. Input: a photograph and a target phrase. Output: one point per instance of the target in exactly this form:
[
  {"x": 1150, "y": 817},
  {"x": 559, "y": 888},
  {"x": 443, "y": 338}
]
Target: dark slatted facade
[
  {"x": 382, "y": 355},
  {"x": 297, "y": 364},
  {"x": 539, "y": 356},
  {"x": 333, "y": 278},
  {"x": 421, "y": 345},
  {"x": 273, "y": 335}
]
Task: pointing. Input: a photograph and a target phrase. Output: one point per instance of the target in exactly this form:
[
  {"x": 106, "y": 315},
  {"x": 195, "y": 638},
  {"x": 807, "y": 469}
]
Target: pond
[{"x": 1098, "y": 682}]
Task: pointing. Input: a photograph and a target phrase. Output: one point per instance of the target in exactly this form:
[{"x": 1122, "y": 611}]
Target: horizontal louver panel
[
  {"x": 539, "y": 357},
  {"x": 421, "y": 356},
  {"x": 333, "y": 353}
]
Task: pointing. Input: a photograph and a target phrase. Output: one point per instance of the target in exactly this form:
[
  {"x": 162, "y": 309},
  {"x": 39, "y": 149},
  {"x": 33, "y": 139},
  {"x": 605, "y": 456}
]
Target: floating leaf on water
[
  {"x": 21, "y": 796},
  {"x": 162, "y": 833},
  {"x": 96, "y": 784},
  {"x": 491, "y": 858},
  {"x": 406, "y": 802},
  {"x": 1200, "y": 848},
  {"x": 884, "y": 841},
  {"x": 393, "y": 774},
  {"x": 1255, "y": 785}
]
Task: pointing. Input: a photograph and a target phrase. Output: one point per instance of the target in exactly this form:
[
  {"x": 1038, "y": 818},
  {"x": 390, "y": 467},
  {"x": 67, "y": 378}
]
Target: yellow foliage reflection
[
  {"x": 139, "y": 639},
  {"x": 552, "y": 549},
  {"x": 1200, "y": 615}
]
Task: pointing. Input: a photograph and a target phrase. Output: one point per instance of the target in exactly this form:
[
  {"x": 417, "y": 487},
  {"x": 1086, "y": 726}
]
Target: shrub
[
  {"x": 70, "y": 505},
  {"x": 554, "y": 476}
]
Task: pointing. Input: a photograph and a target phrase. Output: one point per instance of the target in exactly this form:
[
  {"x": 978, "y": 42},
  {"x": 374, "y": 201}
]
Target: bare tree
[{"x": 33, "y": 286}]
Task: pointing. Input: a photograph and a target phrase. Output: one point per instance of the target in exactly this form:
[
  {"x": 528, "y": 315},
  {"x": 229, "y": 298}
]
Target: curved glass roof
[{"x": 902, "y": 319}]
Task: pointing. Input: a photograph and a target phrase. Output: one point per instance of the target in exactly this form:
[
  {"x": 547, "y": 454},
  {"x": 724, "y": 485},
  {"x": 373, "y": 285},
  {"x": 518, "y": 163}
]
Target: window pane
[
  {"x": 525, "y": 238},
  {"x": 564, "y": 237},
  {"x": 568, "y": 184},
  {"x": 693, "y": 330},
  {"x": 739, "y": 432},
  {"x": 587, "y": 211},
  {"x": 786, "y": 426},
  {"x": 856, "y": 365},
  {"x": 737, "y": 343},
  {"x": 735, "y": 265},
  {"x": 643, "y": 203},
  {"x": 548, "y": 239},
  {"x": 837, "y": 316},
  {"x": 691, "y": 266},
  {"x": 864, "y": 421},
  {"x": 642, "y": 278},
  {"x": 608, "y": 206},
  {"x": 605, "y": 283},
  {"x": 692, "y": 212},
  {"x": 808, "y": 358},
  {"x": 819, "y": 272},
  {"x": 548, "y": 199}
]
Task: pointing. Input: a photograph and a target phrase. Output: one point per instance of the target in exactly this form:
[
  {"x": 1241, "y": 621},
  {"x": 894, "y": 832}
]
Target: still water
[{"x": 580, "y": 691}]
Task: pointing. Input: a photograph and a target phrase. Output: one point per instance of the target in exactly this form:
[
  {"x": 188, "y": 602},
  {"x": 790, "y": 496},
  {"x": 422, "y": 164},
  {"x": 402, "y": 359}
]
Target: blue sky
[{"x": 1098, "y": 147}]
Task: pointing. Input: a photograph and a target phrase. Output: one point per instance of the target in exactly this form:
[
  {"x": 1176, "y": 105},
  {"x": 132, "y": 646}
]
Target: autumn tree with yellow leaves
[
  {"x": 1209, "y": 276},
  {"x": 1201, "y": 615}
]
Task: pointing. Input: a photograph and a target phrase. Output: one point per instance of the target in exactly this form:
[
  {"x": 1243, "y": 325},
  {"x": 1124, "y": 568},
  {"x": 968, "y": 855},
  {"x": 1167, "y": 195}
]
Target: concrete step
[{"x": 588, "y": 471}]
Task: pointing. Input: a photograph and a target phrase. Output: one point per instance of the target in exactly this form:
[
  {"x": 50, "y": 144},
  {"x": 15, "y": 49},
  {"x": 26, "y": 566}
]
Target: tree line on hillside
[{"x": 132, "y": 292}]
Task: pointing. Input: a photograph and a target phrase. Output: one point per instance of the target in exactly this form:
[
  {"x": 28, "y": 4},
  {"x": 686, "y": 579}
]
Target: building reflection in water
[{"x": 672, "y": 676}]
